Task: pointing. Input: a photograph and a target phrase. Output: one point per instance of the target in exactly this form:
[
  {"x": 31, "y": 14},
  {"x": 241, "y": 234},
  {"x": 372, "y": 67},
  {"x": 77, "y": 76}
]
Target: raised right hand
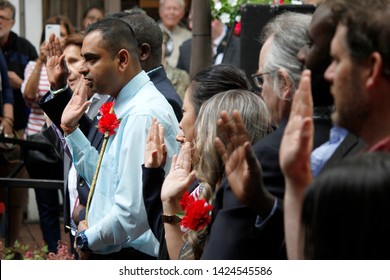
[
  {"x": 179, "y": 178},
  {"x": 57, "y": 70},
  {"x": 77, "y": 105},
  {"x": 155, "y": 151},
  {"x": 243, "y": 170},
  {"x": 297, "y": 141}
]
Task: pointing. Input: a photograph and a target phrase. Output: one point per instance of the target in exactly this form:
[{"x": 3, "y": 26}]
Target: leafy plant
[
  {"x": 227, "y": 11},
  {"x": 19, "y": 251}
]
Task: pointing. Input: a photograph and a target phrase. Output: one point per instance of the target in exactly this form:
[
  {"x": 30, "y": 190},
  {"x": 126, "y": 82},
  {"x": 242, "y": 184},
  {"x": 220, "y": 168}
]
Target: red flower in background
[
  {"x": 197, "y": 215},
  {"x": 237, "y": 29}
]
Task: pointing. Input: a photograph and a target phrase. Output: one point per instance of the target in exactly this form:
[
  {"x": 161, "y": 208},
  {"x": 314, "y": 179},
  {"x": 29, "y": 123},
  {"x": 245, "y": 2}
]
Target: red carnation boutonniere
[
  {"x": 196, "y": 213},
  {"x": 108, "y": 121},
  {"x": 106, "y": 108}
]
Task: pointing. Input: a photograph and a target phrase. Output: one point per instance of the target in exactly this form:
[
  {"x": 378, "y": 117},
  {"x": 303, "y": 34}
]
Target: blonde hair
[
  {"x": 208, "y": 164},
  {"x": 207, "y": 161}
]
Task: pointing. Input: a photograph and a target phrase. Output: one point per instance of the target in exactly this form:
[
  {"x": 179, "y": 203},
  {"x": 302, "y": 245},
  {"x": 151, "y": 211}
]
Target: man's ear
[
  {"x": 375, "y": 69},
  {"x": 124, "y": 59},
  {"x": 285, "y": 84},
  {"x": 144, "y": 51}
]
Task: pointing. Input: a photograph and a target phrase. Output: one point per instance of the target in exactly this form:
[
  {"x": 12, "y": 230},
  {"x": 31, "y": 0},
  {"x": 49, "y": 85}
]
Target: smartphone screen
[{"x": 52, "y": 28}]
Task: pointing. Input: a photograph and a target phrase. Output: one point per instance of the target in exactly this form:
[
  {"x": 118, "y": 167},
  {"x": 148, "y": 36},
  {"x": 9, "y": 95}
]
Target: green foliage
[
  {"x": 22, "y": 252},
  {"x": 227, "y": 10}
]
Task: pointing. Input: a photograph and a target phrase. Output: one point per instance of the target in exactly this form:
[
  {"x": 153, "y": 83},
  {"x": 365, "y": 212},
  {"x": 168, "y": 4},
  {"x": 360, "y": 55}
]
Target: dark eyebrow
[{"x": 89, "y": 56}]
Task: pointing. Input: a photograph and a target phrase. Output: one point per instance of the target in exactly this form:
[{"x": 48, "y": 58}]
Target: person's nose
[
  {"x": 301, "y": 55},
  {"x": 83, "y": 69},
  {"x": 329, "y": 73}
]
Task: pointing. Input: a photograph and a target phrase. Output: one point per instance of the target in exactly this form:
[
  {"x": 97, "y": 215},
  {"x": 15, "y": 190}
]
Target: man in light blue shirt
[{"x": 117, "y": 218}]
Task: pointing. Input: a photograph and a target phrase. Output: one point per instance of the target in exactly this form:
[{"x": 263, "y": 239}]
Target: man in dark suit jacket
[
  {"x": 149, "y": 37},
  {"x": 226, "y": 45}
]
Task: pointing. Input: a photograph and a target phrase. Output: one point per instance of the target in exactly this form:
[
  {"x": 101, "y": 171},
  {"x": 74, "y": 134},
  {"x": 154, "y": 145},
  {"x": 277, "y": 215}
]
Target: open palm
[
  {"x": 57, "y": 70},
  {"x": 243, "y": 171}
]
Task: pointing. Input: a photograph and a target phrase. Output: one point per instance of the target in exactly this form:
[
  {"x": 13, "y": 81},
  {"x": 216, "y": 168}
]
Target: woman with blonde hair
[
  {"x": 208, "y": 165},
  {"x": 207, "y": 83}
]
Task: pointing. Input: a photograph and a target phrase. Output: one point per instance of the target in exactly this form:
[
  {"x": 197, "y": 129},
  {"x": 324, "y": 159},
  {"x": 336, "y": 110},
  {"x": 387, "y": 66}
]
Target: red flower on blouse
[
  {"x": 186, "y": 200},
  {"x": 108, "y": 122},
  {"x": 197, "y": 215}
]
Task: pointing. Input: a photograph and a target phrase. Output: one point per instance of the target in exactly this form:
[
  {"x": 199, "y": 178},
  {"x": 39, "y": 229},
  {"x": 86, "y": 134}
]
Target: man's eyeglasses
[
  {"x": 3, "y": 18},
  {"x": 258, "y": 80}
]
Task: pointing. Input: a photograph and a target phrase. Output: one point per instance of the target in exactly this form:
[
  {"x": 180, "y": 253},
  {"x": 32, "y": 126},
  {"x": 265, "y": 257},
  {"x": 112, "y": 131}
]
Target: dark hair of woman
[{"x": 216, "y": 79}]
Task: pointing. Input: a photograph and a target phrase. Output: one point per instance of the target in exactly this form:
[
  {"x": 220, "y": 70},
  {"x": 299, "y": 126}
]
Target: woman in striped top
[
  {"x": 43, "y": 164},
  {"x": 36, "y": 84}
]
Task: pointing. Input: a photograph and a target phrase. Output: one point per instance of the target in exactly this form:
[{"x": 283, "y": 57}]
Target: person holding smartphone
[{"x": 34, "y": 87}]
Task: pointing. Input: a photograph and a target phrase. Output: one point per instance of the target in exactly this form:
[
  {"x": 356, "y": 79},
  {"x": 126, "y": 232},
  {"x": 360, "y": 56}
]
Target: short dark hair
[
  {"x": 9, "y": 5},
  {"x": 146, "y": 30},
  {"x": 116, "y": 35},
  {"x": 368, "y": 32},
  {"x": 345, "y": 210},
  {"x": 216, "y": 79}
]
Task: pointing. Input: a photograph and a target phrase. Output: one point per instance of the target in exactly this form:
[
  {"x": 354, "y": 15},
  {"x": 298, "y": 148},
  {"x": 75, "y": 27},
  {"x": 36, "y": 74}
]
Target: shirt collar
[
  {"x": 337, "y": 133},
  {"x": 128, "y": 92}
]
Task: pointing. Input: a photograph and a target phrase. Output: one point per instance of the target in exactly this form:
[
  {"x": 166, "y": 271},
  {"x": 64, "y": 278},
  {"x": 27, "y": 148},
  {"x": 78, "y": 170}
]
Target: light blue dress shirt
[
  {"x": 117, "y": 217},
  {"x": 321, "y": 154}
]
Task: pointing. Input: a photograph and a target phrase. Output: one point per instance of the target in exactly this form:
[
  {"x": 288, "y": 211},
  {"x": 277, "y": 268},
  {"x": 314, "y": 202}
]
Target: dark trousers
[
  {"x": 46, "y": 164},
  {"x": 49, "y": 216}
]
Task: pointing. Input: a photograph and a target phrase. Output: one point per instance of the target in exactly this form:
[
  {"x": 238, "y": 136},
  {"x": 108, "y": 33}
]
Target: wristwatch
[
  {"x": 170, "y": 219},
  {"x": 82, "y": 242}
]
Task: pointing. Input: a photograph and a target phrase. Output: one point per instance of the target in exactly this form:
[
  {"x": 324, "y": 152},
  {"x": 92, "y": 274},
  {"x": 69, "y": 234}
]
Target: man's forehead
[
  {"x": 92, "y": 40},
  {"x": 6, "y": 10},
  {"x": 340, "y": 34},
  {"x": 93, "y": 35}
]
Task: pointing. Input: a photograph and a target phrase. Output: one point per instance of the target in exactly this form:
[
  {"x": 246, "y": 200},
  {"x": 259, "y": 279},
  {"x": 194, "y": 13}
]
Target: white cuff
[{"x": 55, "y": 92}]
